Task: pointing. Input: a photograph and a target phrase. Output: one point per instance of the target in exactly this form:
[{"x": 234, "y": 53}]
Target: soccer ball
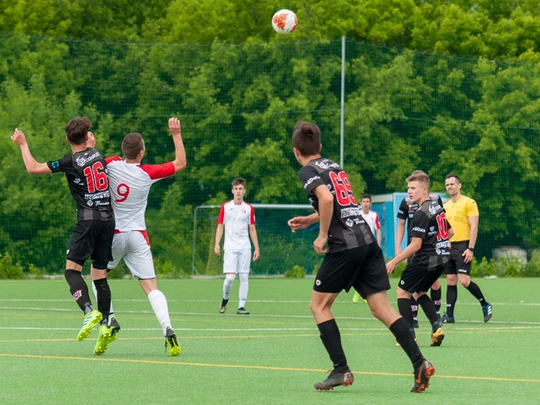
[{"x": 284, "y": 21}]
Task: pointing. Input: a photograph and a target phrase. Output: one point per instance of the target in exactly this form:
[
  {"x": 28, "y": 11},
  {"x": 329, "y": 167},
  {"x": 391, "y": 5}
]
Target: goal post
[{"x": 280, "y": 248}]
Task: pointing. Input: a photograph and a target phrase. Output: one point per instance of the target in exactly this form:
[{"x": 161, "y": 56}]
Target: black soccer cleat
[
  {"x": 448, "y": 319},
  {"x": 242, "y": 311},
  {"x": 335, "y": 379},
  {"x": 488, "y": 311},
  {"x": 223, "y": 306},
  {"x": 422, "y": 374}
]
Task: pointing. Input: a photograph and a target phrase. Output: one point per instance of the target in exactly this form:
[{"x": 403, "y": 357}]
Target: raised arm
[
  {"x": 32, "y": 165},
  {"x": 176, "y": 131}
]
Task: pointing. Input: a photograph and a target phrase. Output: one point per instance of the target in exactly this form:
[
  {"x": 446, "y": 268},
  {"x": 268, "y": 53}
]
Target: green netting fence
[{"x": 401, "y": 110}]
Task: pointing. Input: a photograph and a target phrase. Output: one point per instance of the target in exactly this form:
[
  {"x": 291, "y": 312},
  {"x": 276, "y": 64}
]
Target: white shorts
[
  {"x": 237, "y": 261},
  {"x": 134, "y": 248}
]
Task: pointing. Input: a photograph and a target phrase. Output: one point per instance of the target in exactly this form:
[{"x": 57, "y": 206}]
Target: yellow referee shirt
[{"x": 458, "y": 213}]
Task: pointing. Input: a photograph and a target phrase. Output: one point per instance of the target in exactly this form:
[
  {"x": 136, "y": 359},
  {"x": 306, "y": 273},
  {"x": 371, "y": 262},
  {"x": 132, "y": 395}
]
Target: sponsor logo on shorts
[
  {"x": 462, "y": 271},
  {"x": 77, "y": 294},
  {"x": 317, "y": 283}
]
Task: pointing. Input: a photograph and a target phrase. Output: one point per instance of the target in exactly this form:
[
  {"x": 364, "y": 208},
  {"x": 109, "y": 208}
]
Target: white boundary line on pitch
[
  {"x": 215, "y": 314},
  {"x": 303, "y": 302},
  {"x": 313, "y": 330}
]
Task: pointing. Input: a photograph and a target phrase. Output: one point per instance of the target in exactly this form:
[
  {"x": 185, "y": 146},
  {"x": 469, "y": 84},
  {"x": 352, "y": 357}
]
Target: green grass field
[{"x": 272, "y": 356}]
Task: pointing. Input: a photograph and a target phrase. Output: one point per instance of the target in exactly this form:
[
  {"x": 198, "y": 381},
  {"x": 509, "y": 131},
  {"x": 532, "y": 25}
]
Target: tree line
[{"x": 238, "y": 89}]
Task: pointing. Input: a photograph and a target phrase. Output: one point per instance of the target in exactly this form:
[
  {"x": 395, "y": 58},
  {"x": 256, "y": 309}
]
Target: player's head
[
  {"x": 366, "y": 202},
  {"x": 132, "y": 145},
  {"x": 76, "y": 130},
  {"x": 418, "y": 186},
  {"x": 238, "y": 188},
  {"x": 306, "y": 139},
  {"x": 452, "y": 184}
]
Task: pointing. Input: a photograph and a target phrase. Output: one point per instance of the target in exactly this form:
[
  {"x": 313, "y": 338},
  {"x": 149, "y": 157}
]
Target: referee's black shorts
[{"x": 362, "y": 268}]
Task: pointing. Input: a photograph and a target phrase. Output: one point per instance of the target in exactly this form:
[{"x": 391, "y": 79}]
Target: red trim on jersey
[
  {"x": 159, "y": 171},
  {"x": 221, "y": 217},
  {"x": 113, "y": 159},
  {"x": 252, "y": 216},
  {"x": 377, "y": 222}
]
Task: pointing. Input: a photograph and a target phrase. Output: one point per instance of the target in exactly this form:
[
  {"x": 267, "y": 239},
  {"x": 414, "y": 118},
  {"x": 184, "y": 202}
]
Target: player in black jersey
[
  {"x": 430, "y": 251},
  {"x": 353, "y": 259},
  {"x": 85, "y": 171},
  {"x": 406, "y": 211}
]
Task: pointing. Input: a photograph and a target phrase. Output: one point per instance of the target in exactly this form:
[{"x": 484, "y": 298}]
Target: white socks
[
  {"x": 159, "y": 305},
  {"x": 227, "y": 284},
  {"x": 243, "y": 290}
]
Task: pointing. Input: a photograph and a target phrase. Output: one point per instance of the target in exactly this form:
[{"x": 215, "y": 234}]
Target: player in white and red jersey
[
  {"x": 130, "y": 183},
  {"x": 237, "y": 219},
  {"x": 372, "y": 219}
]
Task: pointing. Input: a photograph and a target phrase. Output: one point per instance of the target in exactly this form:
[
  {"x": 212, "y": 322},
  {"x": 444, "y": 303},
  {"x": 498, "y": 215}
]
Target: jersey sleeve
[
  {"x": 377, "y": 222},
  {"x": 419, "y": 225},
  {"x": 221, "y": 218},
  {"x": 403, "y": 210},
  {"x": 157, "y": 172},
  {"x": 252, "y": 216},
  {"x": 310, "y": 179},
  {"x": 61, "y": 164},
  {"x": 471, "y": 208},
  {"x": 112, "y": 159}
]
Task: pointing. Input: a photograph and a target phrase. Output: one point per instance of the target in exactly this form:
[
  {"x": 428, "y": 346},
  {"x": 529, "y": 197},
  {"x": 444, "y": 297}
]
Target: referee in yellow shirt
[{"x": 462, "y": 213}]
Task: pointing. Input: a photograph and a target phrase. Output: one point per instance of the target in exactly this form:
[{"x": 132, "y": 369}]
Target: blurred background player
[
  {"x": 237, "y": 219},
  {"x": 93, "y": 233},
  {"x": 406, "y": 211},
  {"x": 372, "y": 219},
  {"x": 130, "y": 185},
  {"x": 352, "y": 259},
  {"x": 430, "y": 251},
  {"x": 462, "y": 213}
]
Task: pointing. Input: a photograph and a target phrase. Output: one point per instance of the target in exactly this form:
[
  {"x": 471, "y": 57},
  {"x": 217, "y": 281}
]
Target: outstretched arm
[
  {"x": 32, "y": 165},
  {"x": 176, "y": 131}
]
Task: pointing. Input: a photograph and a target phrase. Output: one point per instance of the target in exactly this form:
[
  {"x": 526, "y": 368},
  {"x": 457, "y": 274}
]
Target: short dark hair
[
  {"x": 453, "y": 175},
  {"x": 307, "y": 138},
  {"x": 239, "y": 182},
  {"x": 76, "y": 130},
  {"x": 365, "y": 196},
  {"x": 419, "y": 175},
  {"x": 132, "y": 145}
]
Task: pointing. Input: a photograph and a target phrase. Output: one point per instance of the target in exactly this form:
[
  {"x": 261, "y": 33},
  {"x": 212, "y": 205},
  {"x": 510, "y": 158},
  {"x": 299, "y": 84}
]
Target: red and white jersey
[
  {"x": 129, "y": 186},
  {"x": 372, "y": 219},
  {"x": 236, "y": 219}
]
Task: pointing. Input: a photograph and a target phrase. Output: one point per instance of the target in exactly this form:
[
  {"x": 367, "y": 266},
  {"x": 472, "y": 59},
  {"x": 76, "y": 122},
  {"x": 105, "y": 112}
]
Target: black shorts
[
  {"x": 456, "y": 265},
  {"x": 91, "y": 239},
  {"x": 417, "y": 279},
  {"x": 362, "y": 268}
]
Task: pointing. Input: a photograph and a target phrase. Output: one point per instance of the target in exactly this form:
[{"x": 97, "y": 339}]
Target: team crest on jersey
[
  {"x": 90, "y": 203},
  {"x": 244, "y": 211},
  {"x": 77, "y": 294},
  {"x": 432, "y": 209}
]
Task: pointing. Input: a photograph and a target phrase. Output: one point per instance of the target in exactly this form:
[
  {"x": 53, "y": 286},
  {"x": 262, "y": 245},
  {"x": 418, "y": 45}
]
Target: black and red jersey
[
  {"x": 348, "y": 229},
  {"x": 429, "y": 224},
  {"x": 407, "y": 208},
  {"x": 86, "y": 174}
]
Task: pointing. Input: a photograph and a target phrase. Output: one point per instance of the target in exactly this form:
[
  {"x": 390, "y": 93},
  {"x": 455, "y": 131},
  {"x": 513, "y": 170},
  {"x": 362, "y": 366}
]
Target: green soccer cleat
[
  {"x": 91, "y": 319},
  {"x": 103, "y": 340},
  {"x": 115, "y": 328},
  {"x": 171, "y": 343},
  {"x": 335, "y": 379}
]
